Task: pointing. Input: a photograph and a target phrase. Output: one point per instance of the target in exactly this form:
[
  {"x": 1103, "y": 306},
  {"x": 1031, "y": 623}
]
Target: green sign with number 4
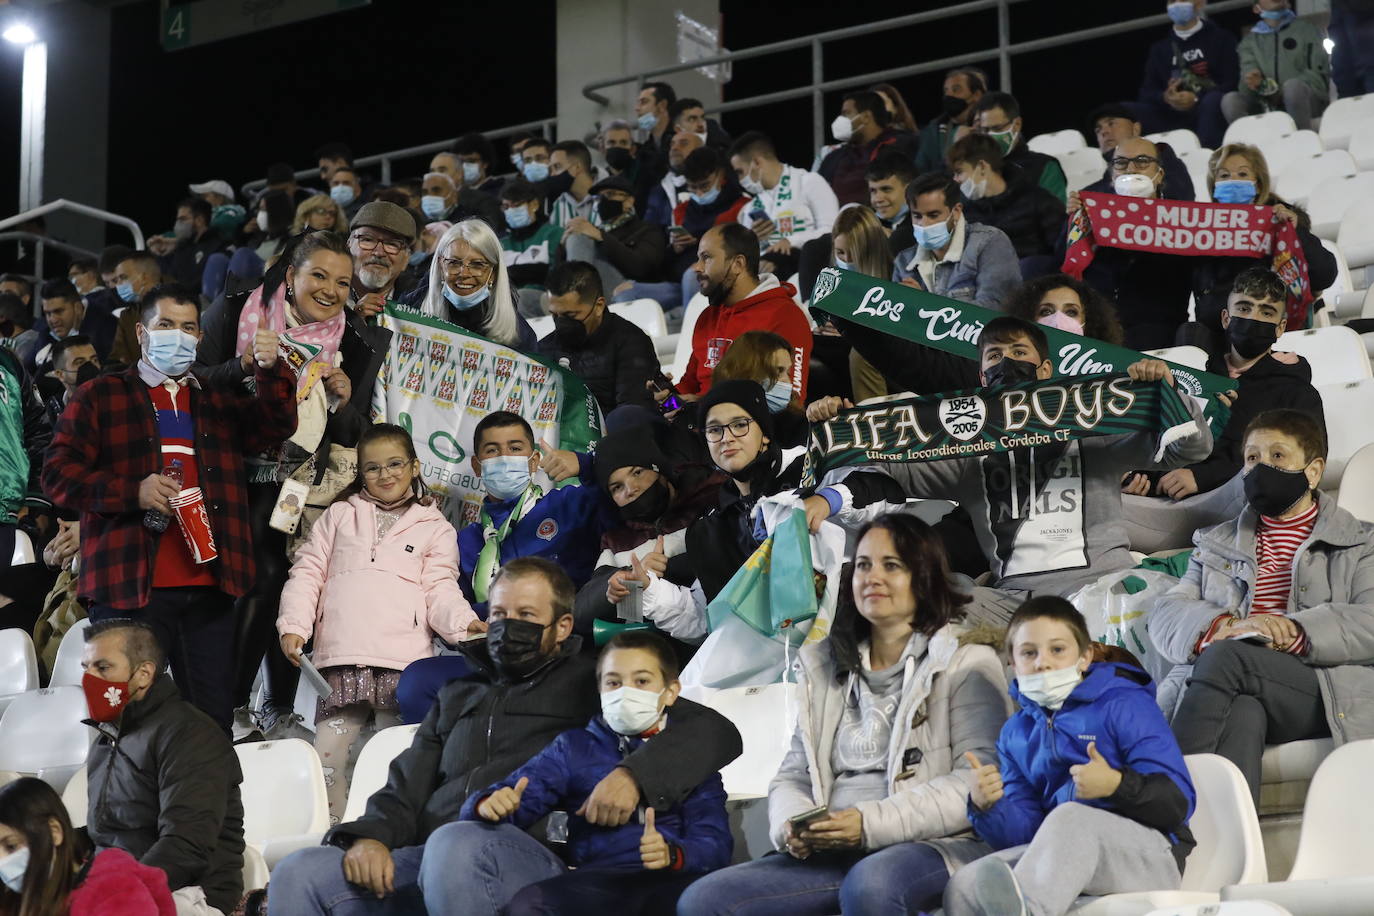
[{"x": 197, "y": 22}]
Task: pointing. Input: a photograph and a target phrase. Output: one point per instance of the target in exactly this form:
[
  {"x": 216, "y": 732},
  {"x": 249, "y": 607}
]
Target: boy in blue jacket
[
  {"x": 637, "y": 868},
  {"x": 1090, "y": 794}
]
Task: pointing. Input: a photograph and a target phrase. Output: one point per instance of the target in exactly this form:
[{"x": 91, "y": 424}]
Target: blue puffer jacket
[
  {"x": 1115, "y": 707},
  {"x": 562, "y": 775}
]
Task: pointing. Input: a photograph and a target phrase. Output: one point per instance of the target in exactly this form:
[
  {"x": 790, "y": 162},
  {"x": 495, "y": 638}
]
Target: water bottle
[{"x": 154, "y": 520}]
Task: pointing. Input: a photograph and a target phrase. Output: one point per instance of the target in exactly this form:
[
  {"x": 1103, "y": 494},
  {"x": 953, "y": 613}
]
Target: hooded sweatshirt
[{"x": 770, "y": 308}]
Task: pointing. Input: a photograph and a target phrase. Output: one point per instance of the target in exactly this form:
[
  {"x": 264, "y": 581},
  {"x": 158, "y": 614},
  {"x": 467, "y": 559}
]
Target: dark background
[{"x": 405, "y": 72}]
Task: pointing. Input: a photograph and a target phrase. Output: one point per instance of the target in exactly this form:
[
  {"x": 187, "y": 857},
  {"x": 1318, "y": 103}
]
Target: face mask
[
  {"x": 104, "y": 699},
  {"x": 536, "y": 171},
  {"x": 952, "y": 106},
  {"x": 506, "y": 476},
  {"x": 1275, "y": 16},
  {"x": 472, "y": 172},
  {"x": 843, "y": 265},
  {"x": 470, "y": 301},
  {"x": 932, "y": 238},
  {"x": 125, "y": 291},
  {"x": 1235, "y": 191},
  {"x": 630, "y": 711},
  {"x": 1134, "y": 185},
  {"x": 778, "y": 395},
  {"x": 649, "y": 505},
  {"x": 170, "y": 351},
  {"x": 842, "y": 128},
  {"x": 1009, "y": 372},
  {"x": 1250, "y": 338},
  {"x": 571, "y": 333},
  {"x": 515, "y": 646},
  {"x": 1005, "y": 139},
  {"x": 183, "y": 229},
  {"x": 1273, "y": 491},
  {"x": 609, "y": 210},
  {"x": 1049, "y": 689},
  {"x": 342, "y": 194},
  {"x": 647, "y": 121},
  {"x": 262, "y": 220},
  {"x": 560, "y": 183},
  {"x": 13, "y": 866},
  {"x": 973, "y": 190},
  {"x": 517, "y": 217},
  {"x": 433, "y": 206},
  {"x": 1062, "y": 322},
  {"x": 1181, "y": 13},
  {"x": 752, "y": 186},
  {"x": 619, "y": 158},
  {"x": 516, "y": 161},
  {"x": 87, "y": 372},
  {"x": 705, "y": 200}
]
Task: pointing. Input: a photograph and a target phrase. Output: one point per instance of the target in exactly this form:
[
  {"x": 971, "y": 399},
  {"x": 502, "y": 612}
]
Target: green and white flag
[{"x": 439, "y": 381}]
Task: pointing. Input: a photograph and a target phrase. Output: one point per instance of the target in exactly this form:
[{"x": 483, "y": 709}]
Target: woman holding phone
[{"x": 869, "y": 809}]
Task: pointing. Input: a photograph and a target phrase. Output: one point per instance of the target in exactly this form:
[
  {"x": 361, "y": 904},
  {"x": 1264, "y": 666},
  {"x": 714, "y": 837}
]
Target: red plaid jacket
[{"x": 107, "y": 443}]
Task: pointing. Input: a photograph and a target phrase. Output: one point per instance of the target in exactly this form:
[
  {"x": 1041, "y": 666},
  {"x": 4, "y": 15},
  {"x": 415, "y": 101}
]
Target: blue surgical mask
[
  {"x": 433, "y": 205},
  {"x": 463, "y": 303},
  {"x": 516, "y": 161},
  {"x": 1234, "y": 191},
  {"x": 12, "y": 868},
  {"x": 472, "y": 172},
  {"x": 126, "y": 292},
  {"x": 1278, "y": 15},
  {"x": 536, "y": 171},
  {"x": 1182, "y": 12},
  {"x": 342, "y": 194},
  {"x": 933, "y": 237},
  {"x": 647, "y": 121},
  {"x": 843, "y": 265},
  {"x": 705, "y": 200},
  {"x": 417, "y": 257},
  {"x": 506, "y": 476},
  {"x": 170, "y": 351},
  {"x": 778, "y": 395},
  {"x": 517, "y": 217}
]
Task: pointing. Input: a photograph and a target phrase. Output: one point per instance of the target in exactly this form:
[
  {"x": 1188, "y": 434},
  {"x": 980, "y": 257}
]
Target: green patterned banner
[
  {"x": 439, "y": 381},
  {"x": 983, "y": 421}
]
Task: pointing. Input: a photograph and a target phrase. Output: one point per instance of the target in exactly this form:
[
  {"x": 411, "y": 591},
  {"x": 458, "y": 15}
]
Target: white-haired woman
[{"x": 468, "y": 285}]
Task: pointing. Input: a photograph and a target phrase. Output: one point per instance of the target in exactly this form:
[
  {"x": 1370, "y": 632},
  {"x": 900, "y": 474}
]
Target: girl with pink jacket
[{"x": 374, "y": 583}]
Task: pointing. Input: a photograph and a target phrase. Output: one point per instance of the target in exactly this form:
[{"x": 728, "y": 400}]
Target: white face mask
[
  {"x": 1049, "y": 689},
  {"x": 1134, "y": 185},
  {"x": 973, "y": 190},
  {"x": 262, "y": 220},
  {"x": 12, "y": 868},
  {"x": 842, "y": 128},
  {"x": 630, "y": 711}
]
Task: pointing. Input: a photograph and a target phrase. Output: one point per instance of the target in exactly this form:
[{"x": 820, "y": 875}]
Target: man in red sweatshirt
[{"x": 727, "y": 269}]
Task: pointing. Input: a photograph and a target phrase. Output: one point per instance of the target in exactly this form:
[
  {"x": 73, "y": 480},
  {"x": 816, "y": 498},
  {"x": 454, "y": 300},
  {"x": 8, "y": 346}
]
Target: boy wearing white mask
[{"x": 1089, "y": 794}]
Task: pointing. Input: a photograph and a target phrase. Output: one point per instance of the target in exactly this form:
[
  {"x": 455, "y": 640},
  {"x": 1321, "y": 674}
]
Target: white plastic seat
[
  {"x": 1343, "y": 116},
  {"x": 1056, "y": 142},
  {"x": 41, "y": 734},
  {"x": 541, "y": 325},
  {"x": 1355, "y": 239},
  {"x": 1337, "y": 354},
  {"x": 18, "y": 665},
  {"x": 1356, "y": 494},
  {"x": 647, "y": 314},
  {"x": 766, "y": 716},
  {"x": 75, "y": 799},
  {"x": 284, "y": 803},
  {"x": 1286, "y": 771},
  {"x": 1260, "y": 129},
  {"x": 369, "y": 774},
  {"x": 1301, "y": 177},
  {"x": 1331, "y": 199},
  {"x": 66, "y": 668},
  {"x": 255, "y": 873},
  {"x": 1082, "y": 166},
  {"x": 1280, "y": 152},
  {"x": 1231, "y": 908},
  {"x": 1195, "y": 161},
  {"x": 1193, "y": 357},
  {"x": 1362, "y": 145},
  {"x": 1181, "y": 140},
  {"x": 1340, "y": 297},
  {"x": 1347, "y": 408},
  {"x": 684, "y": 341}
]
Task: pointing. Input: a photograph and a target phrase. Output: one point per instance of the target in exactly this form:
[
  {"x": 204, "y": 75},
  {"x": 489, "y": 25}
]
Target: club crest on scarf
[{"x": 963, "y": 417}]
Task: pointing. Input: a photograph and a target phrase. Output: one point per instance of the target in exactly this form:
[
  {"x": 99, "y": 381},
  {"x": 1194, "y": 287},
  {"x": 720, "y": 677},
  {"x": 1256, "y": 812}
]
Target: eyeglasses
[
  {"x": 737, "y": 427},
  {"x": 1121, "y": 163},
  {"x": 454, "y": 267},
  {"x": 392, "y": 468},
  {"x": 390, "y": 246}
]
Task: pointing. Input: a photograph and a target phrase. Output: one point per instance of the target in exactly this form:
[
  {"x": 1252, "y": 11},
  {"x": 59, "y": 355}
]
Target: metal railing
[
  {"x": 818, "y": 85},
  {"x": 385, "y": 160},
  {"x": 68, "y": 206},
  {"x": 41, "y": 242}
]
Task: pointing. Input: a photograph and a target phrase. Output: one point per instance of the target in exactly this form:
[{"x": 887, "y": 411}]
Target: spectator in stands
[
  {"x": 896, "y": 106},
  {"x": 651, "y": 114},
  {"x": 1253, "y": 319},
  {"x": 531, "y": 245},
  {"x": 1000, "y": 194},
  {"x": 1352, "y": 60},
  {"x": 888, "y": 178},
  {"x": 134, "y": 277},
  {"x": 110, "y": 256},
  {"x": 863, "y": 129},
  {"x": 1115, "y": 123},
  {"x": 1062, "y": 302},
  {"x": 98, "y": 466},
  {"x": 997, "y": 115},
  {"x": 534, "y": 158},
  {"x": 1238, "y": 174},
  {"x": 282, "y": 177},
  {"x": 85, "y": 275},
  {"x": 569, "y": 185},
  {"x": 408, "y": 839},
  {"x": 667, "y": 189},
  {"x": 346, "y": 190},
  {"x": 162, "y": 779},
  {"x": 860, "y": 245},
  {"x": 74, "y": 361},
  {"x": 622, "y": 247},
  {"x": 1283, "y": 67},
  {"x": 766, "y": 358},
  {"x": 226, "y": 216},
  {"x": 963, "y": 87},
  {"x": 195, "y": 241},
  {"x": 690, "y": 115},
  {"x": 51, "y": 868},
  {"x": 740, "y": 300},
  {"x": 15, "y": 333},
  {"x": 1273, "y": 613},
  {"x": 1088, "y": 792},
  {"x": 954, "y": 256},
  {"x": 380, "y": 240},
  {"x": 25, "y": 434},
  {"x": 888, "y": 837},
  {"x": 18, "y": 285},
  {"x": 469, "y": 285},
  {"x": 318, "y": 214},
  {"x": 612, "y": 356},
  {"x": 332, "y": 157},
  {"x": 790, "y": 206},
  {"x": 445, "y": 199},
  {"x": 271, "y": 227},
  {"x": 620, "y": 150},
  {"x": 477, "y": 158},
  {"x": 66, "y": 315},
  {"x": 1187, "y": 73}
]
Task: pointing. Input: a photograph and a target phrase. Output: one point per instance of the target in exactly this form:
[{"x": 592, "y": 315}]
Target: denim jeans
[
  {"x": 670, "y": 294},
  {"x": 466, "y": 868},
  {"x": 421, "y": 682},
  {"x": 904, "y": 878}
]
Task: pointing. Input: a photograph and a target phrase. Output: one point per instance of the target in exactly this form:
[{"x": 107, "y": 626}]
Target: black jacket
[
  {"x": 483, "y": 726},
  {"x": 473, "y": 204},
  {"x": 186, "y": 263},
  {"x": 844, "y": 166},
  {"x": 99, "y": 326},
  {"x": 907, "y": 365},
  {"x": 1178, "y": 184},
  {"x": 615, "y": 363},
  {"x": 163, "y": 783},
  {"x": 1209, "y": 55},
  {"x": 1034, "y": 164},
  {"x": 635, "y": 248},
  {"x": 1032, "y": 217}
]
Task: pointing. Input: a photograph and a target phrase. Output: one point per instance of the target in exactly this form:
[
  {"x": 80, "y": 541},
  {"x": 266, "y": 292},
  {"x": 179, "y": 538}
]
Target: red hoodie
[
  {"x": 117, "y": 885},
  {"x": 770, "y": 308}
]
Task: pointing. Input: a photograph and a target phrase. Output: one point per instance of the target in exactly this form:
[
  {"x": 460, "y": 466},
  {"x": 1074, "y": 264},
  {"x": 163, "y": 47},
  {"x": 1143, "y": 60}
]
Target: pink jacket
[
  {"x": 118, "y": 885},
  {"x": 375, "y": 603}
]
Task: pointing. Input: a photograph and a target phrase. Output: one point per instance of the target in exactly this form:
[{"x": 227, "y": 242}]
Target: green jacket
[
  {"x": 24, "y": 435},
  {"x": 1293, "y": 52}
]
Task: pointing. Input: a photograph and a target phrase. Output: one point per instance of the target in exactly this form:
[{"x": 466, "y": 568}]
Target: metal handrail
[
  {"x": 818, "y": 85},
  {"x": 81, "y": 210},
  {"x": 547, "y": 125},
  {"x": 40, "y": 242}
]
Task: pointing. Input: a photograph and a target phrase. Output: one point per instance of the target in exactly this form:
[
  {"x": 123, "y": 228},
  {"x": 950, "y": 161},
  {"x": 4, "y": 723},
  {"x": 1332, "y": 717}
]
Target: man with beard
[
  {"x": 530, "y": 682},
  {"x": 380, "y": 240},
  {"x": 661, "y": 198}
]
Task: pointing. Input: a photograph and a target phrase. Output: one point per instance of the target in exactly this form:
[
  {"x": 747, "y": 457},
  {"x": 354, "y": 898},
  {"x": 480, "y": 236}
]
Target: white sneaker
[{"x": 996, "y": 890}]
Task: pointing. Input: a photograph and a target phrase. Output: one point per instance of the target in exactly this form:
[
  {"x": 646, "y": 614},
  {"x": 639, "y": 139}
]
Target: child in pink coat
[{"x": 374, "y": 583}]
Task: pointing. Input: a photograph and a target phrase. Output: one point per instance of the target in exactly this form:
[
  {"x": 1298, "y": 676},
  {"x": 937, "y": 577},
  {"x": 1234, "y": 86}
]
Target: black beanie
[
  {"x": 747, "y": 394},
  {"x": 631, "y": 447}
]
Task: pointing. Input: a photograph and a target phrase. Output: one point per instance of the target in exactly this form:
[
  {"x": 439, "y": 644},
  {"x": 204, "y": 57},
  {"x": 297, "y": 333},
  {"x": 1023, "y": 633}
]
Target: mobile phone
[
  {"x": 1256, "y": 637},
  {"x": 808, "y": 817},
  {"x": 677, "y": 230},
  {"x": 673, "y": 401}
]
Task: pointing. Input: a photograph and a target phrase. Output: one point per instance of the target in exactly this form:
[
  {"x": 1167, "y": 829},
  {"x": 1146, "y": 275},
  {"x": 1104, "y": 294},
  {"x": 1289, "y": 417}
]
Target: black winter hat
[
  {"x": 632, "y": 447},
  {"x": 744, "y": 392}
]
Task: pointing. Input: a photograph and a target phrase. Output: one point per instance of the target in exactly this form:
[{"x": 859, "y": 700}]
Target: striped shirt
[
  {"x": 174, "y": 566},
  {"x": 566, "y": 208}
]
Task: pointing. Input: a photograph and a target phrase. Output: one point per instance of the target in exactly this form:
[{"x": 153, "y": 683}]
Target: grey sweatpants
[{"x": 1078, "y": 849}]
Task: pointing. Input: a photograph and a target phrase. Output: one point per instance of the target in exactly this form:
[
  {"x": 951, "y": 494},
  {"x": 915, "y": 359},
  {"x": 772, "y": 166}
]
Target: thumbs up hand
[
  {"x": 657, "y": 562},
  {"x": 987, "y": 782},
  {"x": 653, "y": 848},
  {"x": 1096, "y": 778},
  {"x": 559, "y": 464},
  {"x": 502, "y": 803}
]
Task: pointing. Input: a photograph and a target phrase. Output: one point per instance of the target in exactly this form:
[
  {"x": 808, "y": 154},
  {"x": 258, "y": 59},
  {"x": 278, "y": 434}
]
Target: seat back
[
  {"x": 1056, "y": 142},
  {"x": 542, "y": 326},
  {"x": 42, "y": 734},
  {"x": 1300, "y": 145},
  {"x": 1195, "y": 161},
  {"x": 1362, "y": 145},
  {"x": 1192, "y": 357},
  {"x": 1346, "y": 434},
  {"x": 283, "y": 790},
  {"x": 74, "y": 798},
  {"x": 1343, "y": 116},
  {"x": 18, "y": 662},
  {"x": 1182, "y": 140},
  {"x": 1082, "y": 166},
  {"x": 766, "y": 717},
  {"x": 647, "y": 314},
  {"x": 1336, "y": 354},
  {"x": 66, "y": 668},
  {"x": 1355, "y": 239},
  {"x": 1356, "y": 494},
  {"x": 1260, "y": 129},
  {"x": 374, "y": 760},
  {"x": 684, "y": 340},
  {"x": 1337, "y": 839},
  {"x": 1333, "y": 197},
  {"x": 1301, "y": 176},
  {"x": 1229, "y": 849}
]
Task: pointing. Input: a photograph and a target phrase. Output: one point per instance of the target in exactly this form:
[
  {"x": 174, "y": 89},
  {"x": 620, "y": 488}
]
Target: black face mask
[
  {"x": 515, "y": 646},
  {"x": 1272, "y": 491},
  {"x": 1250, "y": 338},
  {"x": 1010, "y": 372},
  {"x": 619, "y": 158},
  {"x": 87, "y": 372},
  {"x": 571, "y": 333},
  {"x": 557, "y": 184},
  {"x": 953, "y": 106},
  {"x": 609, "y": 210},
  {"x": 648, "y": 506}
]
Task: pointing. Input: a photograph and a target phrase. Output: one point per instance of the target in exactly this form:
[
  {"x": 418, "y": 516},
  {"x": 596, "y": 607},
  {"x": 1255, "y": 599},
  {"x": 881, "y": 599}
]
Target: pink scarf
[{"x": 323, "y": 334}]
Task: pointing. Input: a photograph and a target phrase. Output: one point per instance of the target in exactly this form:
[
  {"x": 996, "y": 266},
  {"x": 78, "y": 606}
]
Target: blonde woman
[
  {"x": 859, "y": 243},
  {"x": 319, "y": 212}
]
